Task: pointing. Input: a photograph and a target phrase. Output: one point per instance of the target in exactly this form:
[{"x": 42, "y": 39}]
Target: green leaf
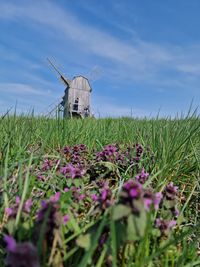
[
  {"x": 69, "y": 182},
  {"x": 170, "y": 204},
  {"x": 10, "y": 226},
  {"x": 120, "y": 211},
  {"x": 131, "y": 231},
  {"x": 84, "y": 241},
  {"x": 137, "y": 223},
  {"x": 77, "y": 182},
  {"x": 141, "y": 220}
]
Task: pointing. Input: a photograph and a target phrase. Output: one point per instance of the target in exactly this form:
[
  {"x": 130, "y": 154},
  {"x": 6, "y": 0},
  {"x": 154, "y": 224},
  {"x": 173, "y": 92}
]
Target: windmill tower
[{"x": 76, "y": 99}]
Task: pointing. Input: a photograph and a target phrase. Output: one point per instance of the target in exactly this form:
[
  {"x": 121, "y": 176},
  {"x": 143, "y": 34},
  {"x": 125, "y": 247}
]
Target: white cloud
[
  {"x": 139, "y": 59},
  {"x": 193, "y": 69},
  {"x": 134, "y": 60},
  {"x": 21, "y": 89},
  {"x": 136, "y": 54},
  {"x": 26, "y": 97}
]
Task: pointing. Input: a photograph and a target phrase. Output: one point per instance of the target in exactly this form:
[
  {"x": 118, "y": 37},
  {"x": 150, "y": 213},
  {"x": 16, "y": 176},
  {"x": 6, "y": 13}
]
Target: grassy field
[{"x": 99, "y": 192}]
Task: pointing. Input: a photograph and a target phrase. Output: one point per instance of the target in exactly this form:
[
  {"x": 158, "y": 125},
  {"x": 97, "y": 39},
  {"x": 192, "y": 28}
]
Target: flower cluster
[
  {"x": 142, "y": 176},
  {"x": 164, "y": 225},
  {"x": 109, "y": 153},
  {"x": 11, "y": 212},
  {"x": 71, "y": 171},
  {"x": 134, "y": 153},
  {"x": 50, "y": 215},
  {"x": 171, "y": 191},
  {"x": 20, "y": 254},
  {"x": 132, "y": 191},
  {"x": 88, "y": 185},
  {"x": 76, "y": 154},
  {"x": 121, "y": 157}
]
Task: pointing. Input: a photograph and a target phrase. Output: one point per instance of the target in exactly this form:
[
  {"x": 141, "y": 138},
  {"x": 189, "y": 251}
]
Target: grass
[{"x": 172, "y": 154}]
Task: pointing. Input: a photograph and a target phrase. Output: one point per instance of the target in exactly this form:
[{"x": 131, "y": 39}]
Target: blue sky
[{"x": 146, "y": 54}]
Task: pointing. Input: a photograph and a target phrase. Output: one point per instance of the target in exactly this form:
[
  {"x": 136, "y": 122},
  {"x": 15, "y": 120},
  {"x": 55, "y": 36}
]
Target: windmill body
[{"x": 76, "y": 100}]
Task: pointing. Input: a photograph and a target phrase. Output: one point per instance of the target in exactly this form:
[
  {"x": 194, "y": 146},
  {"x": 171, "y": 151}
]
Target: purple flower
[
  {"x": 142, "y": 176},
  {"x": 55, "y": 198},
  {"x": 46, "y": 165},
  {"x": 139, "y": 150},
  {"x": 43, "y": 203},
  {"x": 109, "y": 153},
  {"x": 175, "y": 212},
  {"x": 132, "y": 190},
  {"x": 48, "y": 213},
  {"x": 66, "y": 149},
  {"x": 171, "y": 191},
  {"x": 40, "y": 177},
  {"x": 17, "y": 200},
  {"x": 104, "y": 193},
  {"x": 72, "y": 172},
  {"x": 10, "y": 243},
  {"x": 81, "y": 196},
  {"x": 94, "y": 197},
  {"x": 157, "y": 199},
  {"x": 147, "y": 203},
  {"x": 8, "y": 211},
  {"x": 27, "y": 205},
  {"x": 20, "y": 254},
  {"x": 164, "y": 226},
  {"x": 66, "y": 189},
  {"x": 65, "y": 219},
  {"x": 105, "y": 199}
]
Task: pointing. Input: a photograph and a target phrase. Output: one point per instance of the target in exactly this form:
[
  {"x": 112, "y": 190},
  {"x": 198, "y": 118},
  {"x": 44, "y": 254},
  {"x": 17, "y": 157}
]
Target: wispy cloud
[
  {"x": 21, "y": 89},
  {"x": 193, "y": 69},
  {"x": 25, "y": 96},
  {"x": 127, "y": 61},
  {"x": 135, "y": 53}
]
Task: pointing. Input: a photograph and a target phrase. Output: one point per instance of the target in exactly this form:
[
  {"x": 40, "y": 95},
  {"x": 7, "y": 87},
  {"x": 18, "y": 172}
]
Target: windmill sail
[{"x": 62, "y": 78}]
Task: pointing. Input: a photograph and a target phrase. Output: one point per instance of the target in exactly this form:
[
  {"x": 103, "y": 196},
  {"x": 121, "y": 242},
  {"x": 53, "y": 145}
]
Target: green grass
[{"x": 175, "y": 152}]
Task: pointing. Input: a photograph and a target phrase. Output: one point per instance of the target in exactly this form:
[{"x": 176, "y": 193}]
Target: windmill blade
[
  {"x": 94, "y": 74},
  {"x": 61, "y": 76}
]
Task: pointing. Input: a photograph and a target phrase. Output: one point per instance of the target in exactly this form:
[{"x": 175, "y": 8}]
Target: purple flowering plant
[{"x": 80, "y": 188}]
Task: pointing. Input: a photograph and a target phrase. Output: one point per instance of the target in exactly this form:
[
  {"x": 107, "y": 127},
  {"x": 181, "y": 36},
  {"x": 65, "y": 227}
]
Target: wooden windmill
[{"x": 76, "y": 99}]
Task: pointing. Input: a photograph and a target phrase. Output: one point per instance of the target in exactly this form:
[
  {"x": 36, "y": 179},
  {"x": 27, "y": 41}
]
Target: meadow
[{"x": 99, "y": 192}]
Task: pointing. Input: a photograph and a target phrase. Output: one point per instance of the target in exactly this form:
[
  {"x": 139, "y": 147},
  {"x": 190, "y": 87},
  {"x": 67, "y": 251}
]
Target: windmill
[{"x": 76, "y": 99}]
